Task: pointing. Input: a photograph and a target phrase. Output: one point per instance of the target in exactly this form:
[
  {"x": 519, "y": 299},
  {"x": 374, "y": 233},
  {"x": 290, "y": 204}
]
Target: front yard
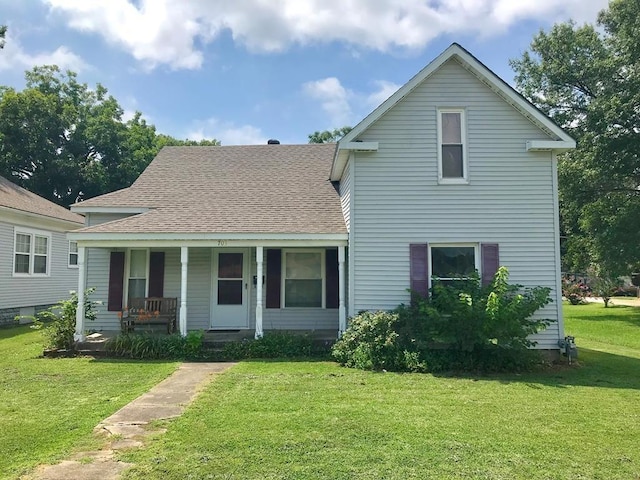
[{"x": 308, "y": 420}]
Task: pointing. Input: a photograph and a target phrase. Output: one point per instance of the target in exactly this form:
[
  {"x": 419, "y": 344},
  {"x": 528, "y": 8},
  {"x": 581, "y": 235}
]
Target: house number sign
[{"x": 222, "y": 243}]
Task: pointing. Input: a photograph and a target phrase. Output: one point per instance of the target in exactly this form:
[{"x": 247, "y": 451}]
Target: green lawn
[
  {"x": 308, "y": 420},
  {"x": 49, "y": 407}
]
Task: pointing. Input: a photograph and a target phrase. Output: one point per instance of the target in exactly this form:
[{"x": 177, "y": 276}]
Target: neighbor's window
[
  {"x": 451, "y": 263},
  {"x": 31, "y": 253},
  {"x": 303, "y": 278},
  {"x": 73, "y": 254},
  {"x": 137, "y": 284},
  {"x": 452, "y": 162}
]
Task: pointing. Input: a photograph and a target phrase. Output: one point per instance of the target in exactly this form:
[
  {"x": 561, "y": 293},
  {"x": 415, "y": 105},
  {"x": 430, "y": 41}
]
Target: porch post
[
  {"x": 342, "y": 311},
  {"x": 184, "y": 260},
  {"x": 259, "y": 261},
  {"x": 82, "y": 281}
]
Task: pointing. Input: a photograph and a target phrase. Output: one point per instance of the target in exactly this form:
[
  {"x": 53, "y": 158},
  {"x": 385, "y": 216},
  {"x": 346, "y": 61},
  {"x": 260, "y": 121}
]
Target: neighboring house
[
  {"x": 454, "y": 172},
  {"x": 38, "y": 265}
]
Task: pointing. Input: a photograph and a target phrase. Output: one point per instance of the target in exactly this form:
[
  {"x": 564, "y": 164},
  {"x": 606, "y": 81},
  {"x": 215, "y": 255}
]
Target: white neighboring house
[
  {"x": 455, "y": 172},
  {"x": 38, "y": 264}
]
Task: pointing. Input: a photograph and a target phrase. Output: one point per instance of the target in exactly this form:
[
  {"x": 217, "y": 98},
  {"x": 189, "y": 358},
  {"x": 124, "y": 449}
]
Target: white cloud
[
  {"x": 334, "y": 99},
  {"x": 227, "y": 133},
  {"x": 171, "y": 32},
  {"x": 13, "y": 56},
  {"x": 384, "y": 91}
]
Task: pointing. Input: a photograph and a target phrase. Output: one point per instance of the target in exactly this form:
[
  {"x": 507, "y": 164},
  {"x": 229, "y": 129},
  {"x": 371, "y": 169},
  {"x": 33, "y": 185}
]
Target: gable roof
[
  {"x": 479, "y": 70},
  {"x": 17, "y": 198},
  {"x": 253, "y": 189}
]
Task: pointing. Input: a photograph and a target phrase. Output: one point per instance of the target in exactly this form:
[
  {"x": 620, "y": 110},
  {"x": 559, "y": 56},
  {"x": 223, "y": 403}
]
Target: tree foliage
[
  {"x": 328, "y": 136},
  {"x": 3, "y": 32},
  {"x": 587, "y": 78},
  {"x": 65, "y": 141}
]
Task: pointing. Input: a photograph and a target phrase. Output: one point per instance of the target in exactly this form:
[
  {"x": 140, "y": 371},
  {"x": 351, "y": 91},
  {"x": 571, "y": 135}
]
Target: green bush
[
  {"x": 58, "y": 323},
  {"x": 148, "y": 346},
  {"x": 274, "y": 345},
  {"x": 461, "y": 326}
]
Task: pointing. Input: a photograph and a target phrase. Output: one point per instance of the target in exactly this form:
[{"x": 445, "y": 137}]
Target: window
[
  {"x": 31, "y": 253},
  {"x": 73, "y": 254},
  {"x": 452, "y": 263},
  {"x": 303, "y": 278},
  {"x": 137, "y": 275},
  {"x": 452, "y": 157}
]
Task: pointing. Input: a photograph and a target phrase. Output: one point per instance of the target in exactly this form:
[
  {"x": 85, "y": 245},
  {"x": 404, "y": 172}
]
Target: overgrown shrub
[
  {"x": 574, "y": 290},
  {"x": 148, "y": 346},
  {"x": 461, "y": 326},
  {"x": 274, "y": 345},
  {"x": 58, "y": 323}
]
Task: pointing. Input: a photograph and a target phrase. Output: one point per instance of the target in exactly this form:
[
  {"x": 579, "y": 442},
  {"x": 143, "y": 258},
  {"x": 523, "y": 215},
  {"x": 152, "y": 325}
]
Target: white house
[
  {"x": 454, "y": 172},
  {"x": 38, "y": 265}
]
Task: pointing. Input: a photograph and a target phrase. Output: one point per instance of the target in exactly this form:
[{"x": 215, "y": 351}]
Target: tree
[
  {"x": 65, "y": 141},
  {"x": 3, "y": 32},
  {"x": 328, "y": 136},
  {"x": 587, "y": 79}
]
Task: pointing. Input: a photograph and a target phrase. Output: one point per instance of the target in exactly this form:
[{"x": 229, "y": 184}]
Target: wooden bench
[{"x": 150, "y": 311}]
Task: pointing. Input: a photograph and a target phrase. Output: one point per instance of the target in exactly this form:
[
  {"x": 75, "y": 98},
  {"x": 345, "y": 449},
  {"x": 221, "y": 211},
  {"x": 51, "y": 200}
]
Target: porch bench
[{"x": 150, "y": 311}]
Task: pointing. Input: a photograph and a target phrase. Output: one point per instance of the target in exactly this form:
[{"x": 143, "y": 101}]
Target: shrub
[
  {"x": 58, "y": 323},
  {"x": 574, "y": 290},
  {"x": 274, "y": 345},
  {"x": 461, "y": 326},
  {"x": 148, "y": 346}
]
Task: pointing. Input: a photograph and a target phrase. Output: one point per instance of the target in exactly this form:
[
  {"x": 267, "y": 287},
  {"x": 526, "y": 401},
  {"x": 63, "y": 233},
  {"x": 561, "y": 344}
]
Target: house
[
  {"x": 455, "y": 172},
  {"x": 38, "y": 265}
]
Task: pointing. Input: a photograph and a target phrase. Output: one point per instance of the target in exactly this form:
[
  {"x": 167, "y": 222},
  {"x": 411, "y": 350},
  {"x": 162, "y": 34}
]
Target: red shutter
[
  {"x": 490, "y": 261},
  {"x": 274, "y": 268},
  {"x": 116, "y": 281},
  {"x": 419, "y": 268},
  {"x": 331, "y": 275},
  {"x": 156, "y": 274}
]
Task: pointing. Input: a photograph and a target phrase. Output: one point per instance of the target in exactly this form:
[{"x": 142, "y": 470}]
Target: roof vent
[{"x": 273, "y": 141}]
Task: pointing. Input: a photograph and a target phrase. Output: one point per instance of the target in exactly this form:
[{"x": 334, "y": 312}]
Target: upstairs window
[
  {"x": 73, "y": 254},
  {"x": 452, "y": 157},
  {"x": 31, "y": 253}
]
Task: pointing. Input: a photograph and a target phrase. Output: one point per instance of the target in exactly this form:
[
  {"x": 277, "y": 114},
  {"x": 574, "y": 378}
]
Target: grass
[
  {"x": 312, "y": 420},
  {"x": 49, "y": 407}
]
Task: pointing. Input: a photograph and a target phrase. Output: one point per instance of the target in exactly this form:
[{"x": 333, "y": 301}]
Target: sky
[{"x": 244, "y": 71}]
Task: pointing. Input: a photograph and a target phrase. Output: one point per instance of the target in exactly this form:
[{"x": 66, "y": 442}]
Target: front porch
[{"x": 302, "y": 287}]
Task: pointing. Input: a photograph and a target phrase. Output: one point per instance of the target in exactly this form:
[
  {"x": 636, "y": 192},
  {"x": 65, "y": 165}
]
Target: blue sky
[{"x": 243, "y": 71}]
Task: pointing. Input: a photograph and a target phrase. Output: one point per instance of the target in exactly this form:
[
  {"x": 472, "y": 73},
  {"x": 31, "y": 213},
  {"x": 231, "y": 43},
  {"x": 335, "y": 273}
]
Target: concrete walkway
[{"x": 126, "y": 427}]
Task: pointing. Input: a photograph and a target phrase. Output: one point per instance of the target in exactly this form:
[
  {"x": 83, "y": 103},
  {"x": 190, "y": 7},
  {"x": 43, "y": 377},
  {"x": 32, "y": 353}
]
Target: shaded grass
[
  {"x": 49, "y": 407},
  {"x": 312, "y": 420}
]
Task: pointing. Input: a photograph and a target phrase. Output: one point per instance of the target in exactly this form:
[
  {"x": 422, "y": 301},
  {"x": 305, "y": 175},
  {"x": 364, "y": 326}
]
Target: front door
[{"x": 230, "y": 289}]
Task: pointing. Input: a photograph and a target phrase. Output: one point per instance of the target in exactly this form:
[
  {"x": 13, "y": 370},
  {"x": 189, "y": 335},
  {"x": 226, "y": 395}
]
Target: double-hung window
[
  {"x": 303, "y": 278},
  {"x": 452, "y": 152},
  {"x": 137, "y": 274},
  {"x": 73, "y": 254},
  {"x": 32, "y": 251},
  {"x": 451, "y": 263}
]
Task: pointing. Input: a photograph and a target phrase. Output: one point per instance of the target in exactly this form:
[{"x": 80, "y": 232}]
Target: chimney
[{"x": 273, "y": 141}]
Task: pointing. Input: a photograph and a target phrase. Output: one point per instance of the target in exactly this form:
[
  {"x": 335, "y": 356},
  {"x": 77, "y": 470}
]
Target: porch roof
[{"x": 237, "y": 189}]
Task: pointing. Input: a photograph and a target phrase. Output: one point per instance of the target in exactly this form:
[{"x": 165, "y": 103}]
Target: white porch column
[
  {"x": 259, "y": 261},
  {"x": 184, "y": 260},
  {"x": 82, "y": 285},
  {"x": 342, "y": 311}
]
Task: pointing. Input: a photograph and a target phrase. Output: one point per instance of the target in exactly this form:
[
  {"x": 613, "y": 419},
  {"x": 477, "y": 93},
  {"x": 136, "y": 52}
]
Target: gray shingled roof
[
  {"x": 17, "y": 198},
  {"x": 235, "y": 189}
]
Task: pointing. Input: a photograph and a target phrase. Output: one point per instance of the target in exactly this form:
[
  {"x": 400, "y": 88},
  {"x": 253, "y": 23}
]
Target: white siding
[
  {"x": 345, "y": 195},
  {"x": 97, "y": 264},
  {"x": 397, "y": 200},
  {"x": 33, "y": 291},
  {"x": 93, "y": 219}
]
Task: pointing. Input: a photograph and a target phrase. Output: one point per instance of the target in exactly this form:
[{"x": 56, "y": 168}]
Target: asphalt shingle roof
[
  {"x": 17, "y": 198},
  {"x": 235, "y": 189}
]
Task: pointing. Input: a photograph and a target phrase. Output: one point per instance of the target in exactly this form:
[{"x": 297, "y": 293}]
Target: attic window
[{"x": 452, "y": 155}]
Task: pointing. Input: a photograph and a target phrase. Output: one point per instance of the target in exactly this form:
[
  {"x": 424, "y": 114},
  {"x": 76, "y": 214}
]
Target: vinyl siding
[
  {"x": 93, "y": 219},
  {"x": 345, "y": 195},
  {"x": 397, "y": 199},
  {"x": 33, "y": 291}
]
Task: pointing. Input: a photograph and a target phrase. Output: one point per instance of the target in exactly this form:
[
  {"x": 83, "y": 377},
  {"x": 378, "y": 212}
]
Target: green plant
[
  {"x": 149, "y": 346},
  {"x": 605, "y": 286},
  {"x": 274, "y": 345},
  {"x": 574, "y": 290},
  {"x": 58, "y": 323}
]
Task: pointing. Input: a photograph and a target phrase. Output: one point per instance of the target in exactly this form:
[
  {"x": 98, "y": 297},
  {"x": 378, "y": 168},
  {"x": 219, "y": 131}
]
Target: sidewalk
[
  {"x": 126, "y": 427},
  {"x": 626, "y": 301}
]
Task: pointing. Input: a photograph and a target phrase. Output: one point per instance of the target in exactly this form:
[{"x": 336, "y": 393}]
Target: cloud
[
  {"x": 384, "y": 91},
  {"x": 227, "y": 133},
  {"x": 13, "y": 57},
  {"x": 334, "y": 99},
  {"x": 173, "y": 33}
]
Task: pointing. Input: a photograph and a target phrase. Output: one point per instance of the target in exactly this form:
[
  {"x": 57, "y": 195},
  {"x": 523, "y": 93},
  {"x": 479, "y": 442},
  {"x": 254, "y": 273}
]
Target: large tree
[
  {"x": 66, "y": 141},
  {"x": 3, "y": 31},
  {"x": 587, "y": 78},
  {"x": 328, "y": 136}
]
